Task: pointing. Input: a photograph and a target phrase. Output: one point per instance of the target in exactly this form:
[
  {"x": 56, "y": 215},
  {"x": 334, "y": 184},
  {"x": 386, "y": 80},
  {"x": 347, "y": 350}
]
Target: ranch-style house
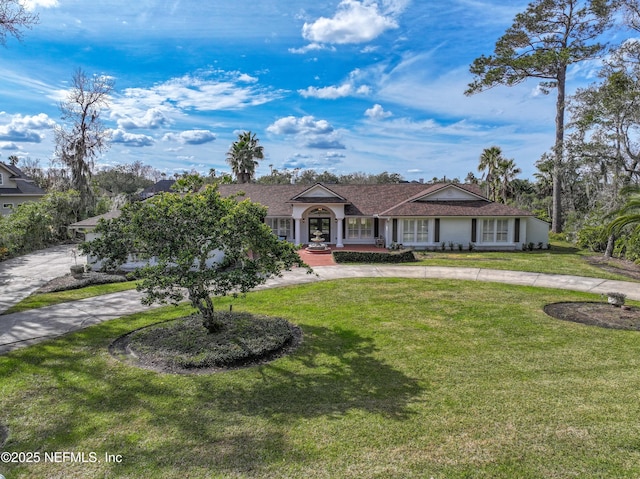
[{"x": 422, "y": 216}]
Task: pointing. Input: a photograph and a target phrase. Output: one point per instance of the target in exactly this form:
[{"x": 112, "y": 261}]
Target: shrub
[
  {"x": 592, "y": 237},
  {"x": 39, "y": 224},
  {"x": 406, "y": 256}
]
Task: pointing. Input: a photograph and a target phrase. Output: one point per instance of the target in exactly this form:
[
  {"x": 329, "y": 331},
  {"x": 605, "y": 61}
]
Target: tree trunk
[
  {"x": 556, "y": 219},
  {"x": 201, "y": 300},
  {"x": 611, "y": 242}
]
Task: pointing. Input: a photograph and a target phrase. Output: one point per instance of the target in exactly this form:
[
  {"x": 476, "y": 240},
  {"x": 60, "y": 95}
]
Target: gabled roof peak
[{"x": 318, "y": 191}]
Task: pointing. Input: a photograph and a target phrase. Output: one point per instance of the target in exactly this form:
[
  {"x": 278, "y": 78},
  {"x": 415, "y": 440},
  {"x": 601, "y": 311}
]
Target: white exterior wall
[
  {"x": 537, "y": 231},
  {"x": 458, "y": 232},
  {"x": 133, "y": 263},
  {"x": 455, "y": 230}
]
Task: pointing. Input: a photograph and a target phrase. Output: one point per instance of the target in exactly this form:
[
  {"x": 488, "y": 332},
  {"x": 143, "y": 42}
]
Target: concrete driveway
[{"x": 19, "y": 277}]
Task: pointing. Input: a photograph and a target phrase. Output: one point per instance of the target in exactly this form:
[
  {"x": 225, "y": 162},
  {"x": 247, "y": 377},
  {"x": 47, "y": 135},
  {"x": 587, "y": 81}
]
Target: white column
[
  {"x": 339, "y": 239},
  {"x": 297, "y": 230}
]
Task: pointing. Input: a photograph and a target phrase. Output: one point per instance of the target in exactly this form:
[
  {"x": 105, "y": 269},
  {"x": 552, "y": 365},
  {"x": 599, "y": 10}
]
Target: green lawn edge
[{"x": 397, "y": 378}]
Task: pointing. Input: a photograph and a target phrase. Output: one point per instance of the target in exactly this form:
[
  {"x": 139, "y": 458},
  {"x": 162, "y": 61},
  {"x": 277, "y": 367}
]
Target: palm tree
[
  {"x": 489, "y": 160},
  {"x": 629, "y": 214},
  {"x": 242, "y": 154},
  {"x": 506, "y": 173}
]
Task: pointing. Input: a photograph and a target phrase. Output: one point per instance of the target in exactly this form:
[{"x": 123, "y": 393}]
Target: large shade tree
[
  {"x": 83, "y": 136},
  {"x": 200, "y": 243},
  {"x": 544, "y": 40},
  {"x": 242, "y": 156}
]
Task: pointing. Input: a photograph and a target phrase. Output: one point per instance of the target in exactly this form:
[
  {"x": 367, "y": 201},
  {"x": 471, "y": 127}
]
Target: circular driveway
[{"x": 21, "y": 276}]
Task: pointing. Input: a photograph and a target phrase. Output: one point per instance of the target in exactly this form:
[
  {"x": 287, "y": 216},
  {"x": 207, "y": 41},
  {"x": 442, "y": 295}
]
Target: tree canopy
[
  {"x": 542, "y": 42},
  {"x": 198, "y": 242}
]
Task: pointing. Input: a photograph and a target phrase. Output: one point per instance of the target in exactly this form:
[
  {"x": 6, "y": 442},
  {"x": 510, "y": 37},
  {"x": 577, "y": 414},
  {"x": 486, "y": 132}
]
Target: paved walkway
[{"x": 29, "y": 327}]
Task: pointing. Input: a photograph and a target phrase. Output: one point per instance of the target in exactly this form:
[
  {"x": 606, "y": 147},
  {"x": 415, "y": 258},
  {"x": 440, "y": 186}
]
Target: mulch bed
[
  {"x": 603, "y": 315},
  {"x": 616, "y": 265},
  {"x": 69, "y": 282},
  {"x": 121, "y": 350}
]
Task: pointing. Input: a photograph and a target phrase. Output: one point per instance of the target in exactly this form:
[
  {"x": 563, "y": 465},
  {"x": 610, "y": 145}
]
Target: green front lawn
[
  {"x": 562, "y": 258},
  {"x": 395, "y": 378}
]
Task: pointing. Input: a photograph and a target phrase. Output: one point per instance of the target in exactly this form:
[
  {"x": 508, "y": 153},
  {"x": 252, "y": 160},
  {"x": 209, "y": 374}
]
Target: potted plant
[{"x": 77, "y": 270}]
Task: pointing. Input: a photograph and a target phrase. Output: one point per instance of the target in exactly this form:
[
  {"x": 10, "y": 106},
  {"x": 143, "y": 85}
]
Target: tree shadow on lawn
[{"x": 234, "y": 420}]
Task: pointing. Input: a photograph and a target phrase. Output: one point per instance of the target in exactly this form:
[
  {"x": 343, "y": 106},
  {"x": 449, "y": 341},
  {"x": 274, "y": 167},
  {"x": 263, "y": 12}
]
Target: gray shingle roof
[
  {"x": 24, "y": 184},
  {"x": 398, "y": 199}
]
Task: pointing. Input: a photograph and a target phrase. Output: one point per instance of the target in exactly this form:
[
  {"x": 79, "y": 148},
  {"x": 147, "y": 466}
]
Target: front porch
[{"x": 327, "y": 259}]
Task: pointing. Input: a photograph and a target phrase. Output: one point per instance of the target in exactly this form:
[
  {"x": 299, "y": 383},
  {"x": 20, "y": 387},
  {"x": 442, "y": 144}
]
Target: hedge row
[{"x": 373, "y": 257}]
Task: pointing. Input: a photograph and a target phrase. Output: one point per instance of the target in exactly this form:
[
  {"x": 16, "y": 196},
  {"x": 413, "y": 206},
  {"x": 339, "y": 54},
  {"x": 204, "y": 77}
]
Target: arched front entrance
[{"x": 320, "y": 219}]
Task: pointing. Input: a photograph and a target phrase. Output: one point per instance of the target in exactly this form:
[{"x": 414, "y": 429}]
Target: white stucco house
[{"x": 422, "y": 216}]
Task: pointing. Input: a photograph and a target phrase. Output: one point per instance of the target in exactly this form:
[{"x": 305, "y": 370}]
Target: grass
[
  {"x": 41, "y": 300},
  {"x": 394, "y": 379},
  {"x": 562, "y": 258}
]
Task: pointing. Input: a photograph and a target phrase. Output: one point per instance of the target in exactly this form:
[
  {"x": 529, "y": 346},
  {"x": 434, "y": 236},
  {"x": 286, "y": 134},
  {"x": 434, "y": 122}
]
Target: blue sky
[{"x": 340, "y": 85}]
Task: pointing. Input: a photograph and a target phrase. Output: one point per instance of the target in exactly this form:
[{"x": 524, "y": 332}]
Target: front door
[{"x": 320, "y": 224}]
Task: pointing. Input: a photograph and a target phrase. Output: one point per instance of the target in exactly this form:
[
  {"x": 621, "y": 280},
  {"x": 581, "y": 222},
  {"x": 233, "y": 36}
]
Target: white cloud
[
  {"x": 348, "y": 88},
  {"x": 153, "y": 118},
  {"x": 354, "y": 22},
  {"x": 291, "y": 125},
  {"x": 376, "y": 112},
  {"x": 33, "y": 4},
  {"x": 26, "y": 128},
  {"x": 191, "y": 137},
  {"x": 243, "y": 77},
  {"x": 131, "y": 139},
  {"x": 311, "y": 47},
  {"x": 310, "y": 132},
  {"x": 209, "y": 91}
]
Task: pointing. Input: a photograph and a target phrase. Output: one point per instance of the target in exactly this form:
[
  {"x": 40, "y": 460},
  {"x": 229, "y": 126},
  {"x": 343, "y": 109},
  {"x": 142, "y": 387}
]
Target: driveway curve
[
  {"x": 22, "y": 329},
  {"x": 21, "y": 276}
]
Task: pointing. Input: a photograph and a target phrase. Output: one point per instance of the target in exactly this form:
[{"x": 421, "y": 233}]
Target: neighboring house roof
[
  {"x": 92, "y": 222},
  {"x": 162, "y": 186},
  {"x": 16, "y": 183},
  {"x": 397, "y": 199}
]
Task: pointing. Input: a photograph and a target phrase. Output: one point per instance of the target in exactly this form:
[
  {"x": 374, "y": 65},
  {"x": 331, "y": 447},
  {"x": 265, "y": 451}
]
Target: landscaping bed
[
  {"x": 185, "y": 346},
  {"x": 406, "y": 256},
  {"x": 69, "y": 282},
  {"x": 596, "y": 314}
]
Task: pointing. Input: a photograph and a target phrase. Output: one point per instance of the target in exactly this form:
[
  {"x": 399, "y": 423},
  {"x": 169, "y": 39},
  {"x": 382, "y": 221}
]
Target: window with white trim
[
  {"x": 415, "y": 230},
  {"x": 359, "y": 228},
  {"x": 495, "y": 231},
  {"x": 502, "y": 231},
  {"x": 280, "y": 227},
  {"x": 7, "y": 206},
  {"x": 1, "y": 179}
]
